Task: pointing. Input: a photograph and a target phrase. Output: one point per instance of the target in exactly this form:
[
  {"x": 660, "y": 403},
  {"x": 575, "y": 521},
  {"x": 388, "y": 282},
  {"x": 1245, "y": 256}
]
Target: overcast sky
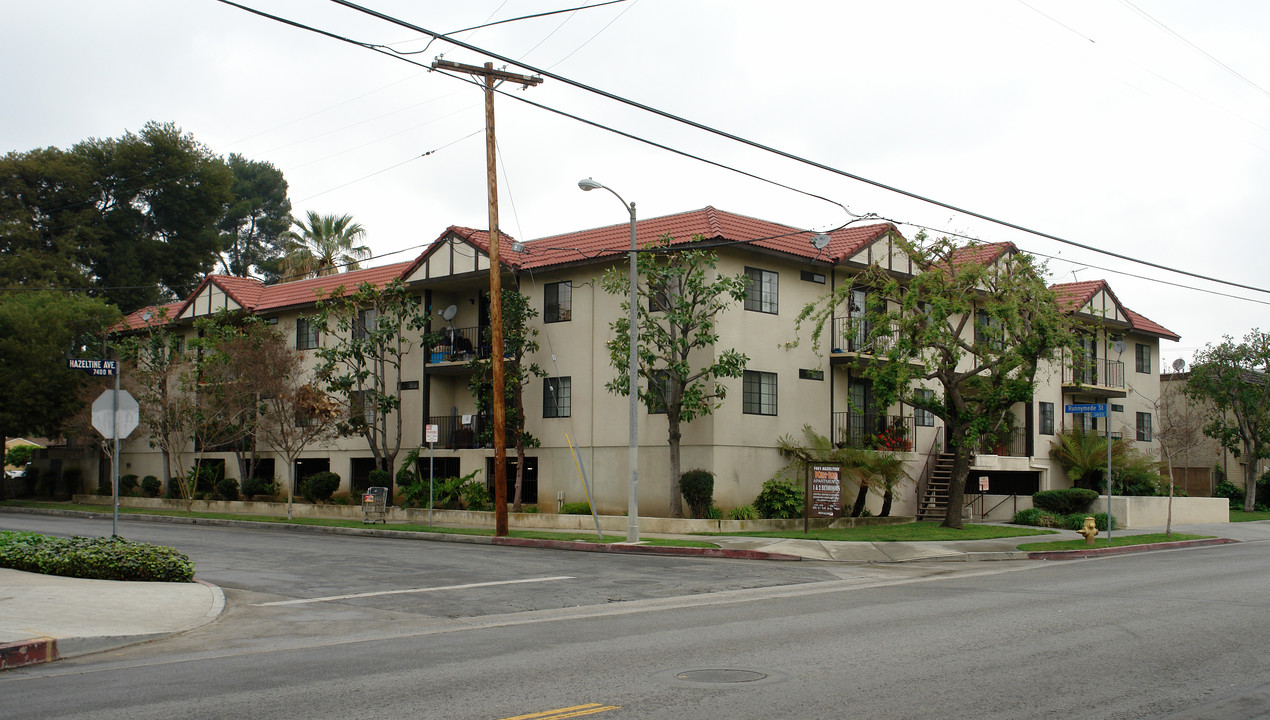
[{"x": 1141, "y": 128}]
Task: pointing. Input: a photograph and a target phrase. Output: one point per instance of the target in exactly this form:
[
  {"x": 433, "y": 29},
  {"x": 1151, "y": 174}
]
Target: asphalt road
[{"x": 1165, "y": 634}]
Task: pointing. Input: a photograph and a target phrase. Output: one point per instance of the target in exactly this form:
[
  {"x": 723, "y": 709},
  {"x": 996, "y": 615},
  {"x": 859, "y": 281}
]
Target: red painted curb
[
  {"x": 1124, "y": 549},
  {"x": 580, "y": 546},
  {"x": 28, "y": 652}
]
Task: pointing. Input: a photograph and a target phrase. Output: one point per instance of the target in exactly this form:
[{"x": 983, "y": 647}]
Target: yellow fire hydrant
[{"x": 1089, "y": 530}]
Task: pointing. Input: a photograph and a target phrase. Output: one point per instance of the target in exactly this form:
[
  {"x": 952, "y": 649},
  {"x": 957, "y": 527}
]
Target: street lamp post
[{"x": 632, "y": 500}]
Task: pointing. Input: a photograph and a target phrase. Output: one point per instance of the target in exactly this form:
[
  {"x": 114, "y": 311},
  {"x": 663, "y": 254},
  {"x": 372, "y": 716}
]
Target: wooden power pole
[{"x": 495, "y": 279}]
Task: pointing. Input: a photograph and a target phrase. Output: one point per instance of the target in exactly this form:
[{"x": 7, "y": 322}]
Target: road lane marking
[
  {"x": 330, "y": 598},
  {"x": 567, "y": 712}
]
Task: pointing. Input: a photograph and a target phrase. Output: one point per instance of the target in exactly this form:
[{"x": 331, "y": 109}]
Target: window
[
  {"x": 366, "y": 324},
  {"x": 1117, "y": 408},
  {"x": 658, "y": 388},
  {"x": 758, "y": 393},
  {"x": 1047, "y": 418},
  {"x": 661, "y": 298},
  {"x": 988, "y": 330},
  {"x": 815, "y": 277},
  {"x": 806, "y": 374},
  {"x": 557, "y": 397},
  {"x": 761, "y": 290},
  {"x": 306, "y": 335},
  {"x": 1144, "y": 425},
  {"x": 408, "y": 384},
  {"x": 359, "y": 410},
  {"x": 1143, "y": 357},
  {"x": 921, "y": 416},
  {"x": 557, "y": 302}
]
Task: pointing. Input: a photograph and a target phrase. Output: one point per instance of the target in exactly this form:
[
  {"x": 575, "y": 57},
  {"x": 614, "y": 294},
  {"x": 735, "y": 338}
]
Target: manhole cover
[{"x": 720, "y": 676}]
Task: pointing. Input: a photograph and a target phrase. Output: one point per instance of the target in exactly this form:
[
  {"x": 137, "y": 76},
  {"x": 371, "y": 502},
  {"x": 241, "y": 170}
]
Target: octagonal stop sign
[{"x": 106, "y": 417}]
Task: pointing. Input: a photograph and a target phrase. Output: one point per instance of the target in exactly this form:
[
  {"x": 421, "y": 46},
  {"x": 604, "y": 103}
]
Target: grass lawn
[
  {"x": 909, "y": 532},
  {"x": 1241, "y": 516},
  {"x": 1116, "y": 541},
  {"x": 581, "y": 535}
]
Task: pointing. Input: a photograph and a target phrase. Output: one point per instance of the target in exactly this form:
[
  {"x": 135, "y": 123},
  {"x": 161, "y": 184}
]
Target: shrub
[
  {"x": 448, "y": 492},
  {"x": 106, "y": 487},
  {"x": 697, "y": 487},
  {"x": 227, "y": 489},
  {"x": 1037, "y": 517},
  {"x": 94, "y": 558},
  {"x": 380, "y": 478},
  {"x": 475, "y": 495},
  {"x": 342, "y": 498},
  {"x": 319, "y": 487},
  {"x": 529, "y": 508},
  {"x": 745, "y": 512},
  {"x": 1064, "y": 502},
  {"x": 406, "y": 475},
  {"x": 127, "y": 484},
  {"x": 72, "y": 477},
  {"x": 257, "y": 487},
  {"x": 1230, "y": 490},
  {"x": 575, "y": 508},
  {"x": 779, "y": 499},
  {"x": 150, "y": 486},
  {"x": 1076, "y": 521},
  {"x": 714, "y": 513}
]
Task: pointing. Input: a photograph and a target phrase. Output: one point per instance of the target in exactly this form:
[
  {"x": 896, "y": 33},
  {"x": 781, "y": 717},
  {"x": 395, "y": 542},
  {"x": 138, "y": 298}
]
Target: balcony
[
  {"x": 457, "y": 346},
  {"x": 873, "y": 431},
  {"x": 1098, "y": 377},
  {"x": 455, "y": 434},
  {"x": 1011, "y": 444}
]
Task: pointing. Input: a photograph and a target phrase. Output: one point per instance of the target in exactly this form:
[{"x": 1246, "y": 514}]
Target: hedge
[{"x": 94, "y": 558}]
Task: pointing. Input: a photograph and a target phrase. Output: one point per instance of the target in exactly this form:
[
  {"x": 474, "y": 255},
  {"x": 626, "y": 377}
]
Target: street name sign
[
  {"x": 1092, "y": 409},
  {"x": 100, "y": 368}
]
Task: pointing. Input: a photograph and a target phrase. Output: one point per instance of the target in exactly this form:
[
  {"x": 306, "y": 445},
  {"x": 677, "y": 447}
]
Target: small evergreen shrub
[
  {"x": 343, "y": 498},
  {"x": 319, "y": 487},
  {"x": 94, "y": 558},
  {"x": 697, "y": 487},
  {"x": 227, "y": 489},
  {"x": 779, "y": 499},
  {"x": 745, "y": 512},
  {"x": 150, "y": 486},
  {"x": 575, "y": 508},
  {"x": 1064, "y": 502},
  {"x": 714, "y": 513},
  {"x": 127, "y": 485},
  {"x": 475, "y": 496},
  {"x": 1230, "y": 490},
  {"x": 259, "y": 487},
  {"x": 1037, "y": 517},
  {"x": 1076, "y": 521},
  {"x": 529, "y": 509},
  {"x": 380, "y": 478}
]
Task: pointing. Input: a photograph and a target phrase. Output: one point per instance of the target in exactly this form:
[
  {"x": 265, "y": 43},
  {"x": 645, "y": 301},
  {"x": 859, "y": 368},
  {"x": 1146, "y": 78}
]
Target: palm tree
[
  {"x": 875, "y": 470},
  {"x": 322, "y": 246}
]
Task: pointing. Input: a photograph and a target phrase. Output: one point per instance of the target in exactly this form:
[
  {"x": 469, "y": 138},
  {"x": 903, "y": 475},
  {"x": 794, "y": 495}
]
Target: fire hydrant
[{"x": 1089, "y": 530}]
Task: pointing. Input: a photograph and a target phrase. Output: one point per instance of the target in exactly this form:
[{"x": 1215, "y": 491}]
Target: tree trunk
[
  {"x": 520, "y": 476},
  {"x": 886, "y": 503},
  {"x": 676, "y": 501},
  {"x": 290, "y": 476},
  {"x": 860, "y": 498},
  {"x": 1250, "y": 481},
  {"x": 957, "y": 485}
]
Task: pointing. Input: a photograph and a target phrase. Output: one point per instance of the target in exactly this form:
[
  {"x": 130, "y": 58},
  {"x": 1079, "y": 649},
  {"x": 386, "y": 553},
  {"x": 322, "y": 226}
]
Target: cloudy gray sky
[{"x": 1141, "y": 127}]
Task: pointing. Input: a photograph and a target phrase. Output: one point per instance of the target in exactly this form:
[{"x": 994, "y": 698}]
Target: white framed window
[
  {"x": 758, "y": 393},
  {"x": 762, "y": 290}
]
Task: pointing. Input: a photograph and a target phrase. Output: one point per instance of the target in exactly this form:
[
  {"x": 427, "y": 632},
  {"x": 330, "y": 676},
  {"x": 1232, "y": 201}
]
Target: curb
[
  {"x": 28, "y": 652},
  {"x": 1124, "y": 549},
  {"x": 572, "y": 545}
]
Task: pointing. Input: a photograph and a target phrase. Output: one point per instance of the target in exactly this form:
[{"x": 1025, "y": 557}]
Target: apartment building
[{"x": 583, "y": 427}]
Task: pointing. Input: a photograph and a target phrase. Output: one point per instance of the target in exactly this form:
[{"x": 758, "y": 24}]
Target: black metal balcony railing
[
  {"x": 1097, "y": 371},
  {"x": 1011, "y": 444},
  {"x": 459, "y": 345},
  {"x": 852, "y": 335},
  {"x": 874, "y": 431},
  {"x": 455, "y": 434}
]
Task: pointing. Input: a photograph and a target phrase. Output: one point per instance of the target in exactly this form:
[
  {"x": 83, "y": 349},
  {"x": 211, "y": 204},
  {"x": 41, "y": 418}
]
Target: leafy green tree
[
  {"x": 48, "y": 233},
  {"x": 976, "y": 322},
  {"x": 371, "y": 331},
  {"x": 324, "y": 244},
  {"x": 158, "y": 196},
  {"x": 1232, "y": 377},
  {"x": 19, "y": 455},
  {"x": 519, "y": 342},
  {"x": 679, "y": 299},
  {"x": 254, "y": 224},
  {"x": 39, "y": 330}
]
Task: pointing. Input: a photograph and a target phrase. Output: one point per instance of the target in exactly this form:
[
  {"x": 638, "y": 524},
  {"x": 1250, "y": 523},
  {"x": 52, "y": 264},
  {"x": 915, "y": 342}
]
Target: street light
[{"x": 632, "y": 500}]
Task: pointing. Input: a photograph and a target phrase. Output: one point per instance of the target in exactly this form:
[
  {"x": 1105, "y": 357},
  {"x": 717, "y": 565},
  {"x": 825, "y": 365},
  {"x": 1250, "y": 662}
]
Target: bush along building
[{"x": 387, "y": 351}]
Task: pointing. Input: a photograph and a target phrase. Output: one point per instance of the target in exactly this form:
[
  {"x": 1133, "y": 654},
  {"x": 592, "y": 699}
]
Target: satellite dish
[
  {"x": 449, "y": 313},
  {"x": 1179, "y": 365},
  {"x": 820, "y": 241}
]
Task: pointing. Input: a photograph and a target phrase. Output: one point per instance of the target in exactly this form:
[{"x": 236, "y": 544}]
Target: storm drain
[{"x": 721, "y": 675}]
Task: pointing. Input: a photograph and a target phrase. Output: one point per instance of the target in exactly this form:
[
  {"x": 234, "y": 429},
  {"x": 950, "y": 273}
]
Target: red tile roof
[
  {"x": 982, "y": 254},
  {"x": 307, "y": 292},
  {"x": 157, "y": 315},
  {"x": 711, "y": 224},
  {"x": 1073, "y": 296}
]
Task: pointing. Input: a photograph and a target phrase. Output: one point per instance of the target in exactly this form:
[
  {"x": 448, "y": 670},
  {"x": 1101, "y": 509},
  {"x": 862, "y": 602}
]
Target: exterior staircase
[{"x": 933, "y": 503}]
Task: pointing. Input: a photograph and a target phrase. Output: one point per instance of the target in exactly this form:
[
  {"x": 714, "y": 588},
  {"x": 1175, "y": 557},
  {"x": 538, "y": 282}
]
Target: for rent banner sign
[{"x": 826, "y": 491}]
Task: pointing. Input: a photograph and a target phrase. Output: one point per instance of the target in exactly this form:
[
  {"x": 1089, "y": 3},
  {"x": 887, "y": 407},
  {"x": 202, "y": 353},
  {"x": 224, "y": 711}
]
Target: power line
[{"x": 790, "y": 155}]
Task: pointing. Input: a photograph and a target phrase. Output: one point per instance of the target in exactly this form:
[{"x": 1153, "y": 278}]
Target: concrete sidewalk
[{"x": 46, "y": 617}]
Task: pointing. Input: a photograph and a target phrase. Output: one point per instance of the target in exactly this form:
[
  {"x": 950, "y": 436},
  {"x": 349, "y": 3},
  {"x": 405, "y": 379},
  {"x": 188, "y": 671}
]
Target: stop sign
[{"x": 106, "y": 419}]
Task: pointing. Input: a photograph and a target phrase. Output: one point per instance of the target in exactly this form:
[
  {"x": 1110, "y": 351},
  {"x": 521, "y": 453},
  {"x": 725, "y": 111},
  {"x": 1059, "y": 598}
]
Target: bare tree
[{"x": 1181, "y": 430}]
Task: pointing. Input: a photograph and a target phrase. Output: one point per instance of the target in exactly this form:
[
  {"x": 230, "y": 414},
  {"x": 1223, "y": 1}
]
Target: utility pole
[{"x": 495, "y": 279}]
